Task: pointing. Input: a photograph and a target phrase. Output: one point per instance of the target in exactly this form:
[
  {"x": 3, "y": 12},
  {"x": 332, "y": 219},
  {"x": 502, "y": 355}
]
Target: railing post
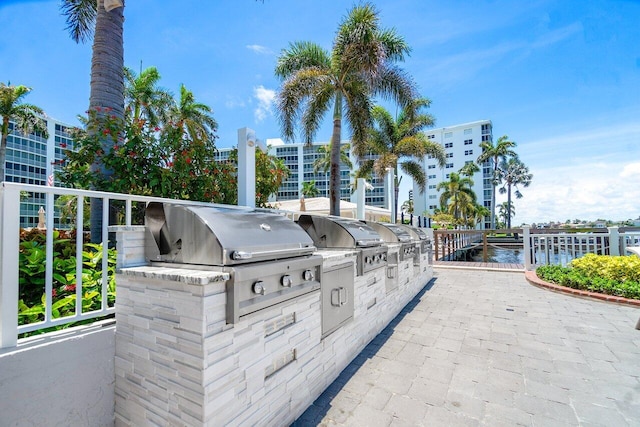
[
  {"x": 9, "y": 250},
  {"x": 485, "y": 249},
  {"x": 526, "y": 242},
  {"x": 614, "y": 241}
]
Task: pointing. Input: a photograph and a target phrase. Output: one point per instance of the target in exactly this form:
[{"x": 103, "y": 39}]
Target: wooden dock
[{"x": 480, "y": 265}]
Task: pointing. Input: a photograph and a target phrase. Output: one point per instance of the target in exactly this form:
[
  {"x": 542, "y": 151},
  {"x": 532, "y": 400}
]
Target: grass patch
[{"x": 611, "y": 275}]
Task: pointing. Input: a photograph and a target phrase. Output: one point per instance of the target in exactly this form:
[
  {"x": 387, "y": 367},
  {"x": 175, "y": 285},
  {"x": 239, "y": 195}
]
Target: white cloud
[
  {"x": 265, "y": 98},
  {"x": 263, "y": 50},
  {"x": 631, "y": 170}
]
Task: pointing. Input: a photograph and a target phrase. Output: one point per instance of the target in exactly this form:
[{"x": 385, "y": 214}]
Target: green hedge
[{"x": 611, "y": 275}]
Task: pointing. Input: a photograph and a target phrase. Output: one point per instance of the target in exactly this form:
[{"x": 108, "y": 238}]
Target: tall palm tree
[
  {"x": 400, "y": 144},
  {"x": 195, "y": 119},
  {"x": 144, "y": 99},
  {"x": 457, "y": 197},
  {"x": 407, "y": 206},
  {"x": 27, "y": 117},
  {"x": 361, "y": 65},
  {"x": 512, "y": 173},
  {"x": 495, "y": 153},
  {"x": 102, "y": 19},
  {"x": 469, "y": 169}
]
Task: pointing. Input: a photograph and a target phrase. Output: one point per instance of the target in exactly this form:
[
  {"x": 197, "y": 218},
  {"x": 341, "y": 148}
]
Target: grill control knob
[
  {"x": 368, "y": 260},
  {"x": 308, "y": 275},
  {"x": 286, "y": 281},
  {"x": 259, "y": 288},
  {"x": 377, "y": 258},
  {"x": 384, "y": 257}
]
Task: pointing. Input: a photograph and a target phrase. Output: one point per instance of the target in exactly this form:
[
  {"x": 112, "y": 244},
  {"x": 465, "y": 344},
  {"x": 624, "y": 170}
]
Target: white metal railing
[
  {"x": 559, "y": 248},
  {"x": 10, "y": 247}
]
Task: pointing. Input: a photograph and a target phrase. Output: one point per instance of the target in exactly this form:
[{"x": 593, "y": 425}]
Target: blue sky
[{"x": 561, "y": 78}]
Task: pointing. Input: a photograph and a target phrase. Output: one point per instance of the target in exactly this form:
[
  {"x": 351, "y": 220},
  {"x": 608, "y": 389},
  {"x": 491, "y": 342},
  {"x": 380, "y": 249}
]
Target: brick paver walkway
[{"x": 487, "y": 348}]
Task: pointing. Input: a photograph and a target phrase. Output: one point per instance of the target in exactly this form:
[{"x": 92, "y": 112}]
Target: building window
[
  {"x": 432, "y": 187},
  {"x": 468, "y": 131},
  {"x": 447, "y": 176},
  {"x": 431, "y": 177},
  {"x": 431, "y": 136},
  {"x": 449, "y": 166},
  {"x": 432, "y": 207},
  {"x": 468, "y": 152},
  {"x": 433, "y": 196},
  {"x": 486, "y": 138},
  {"x": 468, "y": 141},
  {"x": 449, "y": 155},
  {"x": 448, "y": 145},
  {"x": 431, "y": 166}
]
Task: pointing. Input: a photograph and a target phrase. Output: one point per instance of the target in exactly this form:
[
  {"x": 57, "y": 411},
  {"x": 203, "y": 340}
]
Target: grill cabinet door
[{"x": 337, "y": 297}]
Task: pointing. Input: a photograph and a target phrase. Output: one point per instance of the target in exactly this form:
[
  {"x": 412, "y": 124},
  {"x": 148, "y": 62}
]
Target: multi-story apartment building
[
  {"x": 462, "y": 145},
  {"x": 32, "y": 159},
  {"x": 300, "y": 159}
]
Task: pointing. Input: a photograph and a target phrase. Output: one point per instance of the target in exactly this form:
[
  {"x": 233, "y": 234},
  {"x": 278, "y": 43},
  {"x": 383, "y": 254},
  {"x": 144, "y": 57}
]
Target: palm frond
[{"x": 81, "y": 18}]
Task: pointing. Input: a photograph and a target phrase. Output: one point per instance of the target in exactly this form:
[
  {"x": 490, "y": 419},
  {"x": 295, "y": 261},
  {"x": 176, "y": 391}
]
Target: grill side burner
[
  {"x": 268, "y": 256},
  {"x": 332, "y": 232}
]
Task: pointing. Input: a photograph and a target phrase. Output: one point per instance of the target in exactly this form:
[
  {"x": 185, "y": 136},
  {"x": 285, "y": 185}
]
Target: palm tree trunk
[
  {"x": 334, "y": 183},
  {"x": 493, "y": 195},
  {"x": 107, "y": 89},
  {"x": 508, "y": 205}
]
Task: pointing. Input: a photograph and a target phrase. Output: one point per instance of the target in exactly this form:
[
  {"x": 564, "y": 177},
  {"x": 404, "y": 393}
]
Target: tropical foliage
[
  {"x": 31, "y": 304},
  {"x": 399, "y": 144},
  {"x": 504, "y": 211},
  {"x": 612, "y": 275},
  {"x": 360, "y": 66},
  {"x": 457, "y": 198},
  {"x": 309, "y": 189},
  {"x": 26, "y": 117}
]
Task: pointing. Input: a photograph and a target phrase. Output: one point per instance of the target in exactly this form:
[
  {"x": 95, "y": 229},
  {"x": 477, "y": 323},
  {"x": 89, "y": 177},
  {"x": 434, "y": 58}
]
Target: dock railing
[{"x": 541, "y": 246}]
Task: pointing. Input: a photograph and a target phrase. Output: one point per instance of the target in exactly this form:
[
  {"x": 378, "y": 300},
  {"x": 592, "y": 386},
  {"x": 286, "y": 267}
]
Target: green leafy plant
[
  {"x": 32, "y": 266},
  {"x": 611, "y": 275}
]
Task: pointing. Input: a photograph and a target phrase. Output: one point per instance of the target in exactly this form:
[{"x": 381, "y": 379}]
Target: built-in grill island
[
  {"x": 269, "y": 258},
  {"x": 423, "y": 243},
  {"x": 239, "y": 316}
]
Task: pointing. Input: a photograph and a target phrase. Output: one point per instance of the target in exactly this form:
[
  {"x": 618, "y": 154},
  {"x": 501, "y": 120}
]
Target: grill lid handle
[{"x": 241, "y": 255}]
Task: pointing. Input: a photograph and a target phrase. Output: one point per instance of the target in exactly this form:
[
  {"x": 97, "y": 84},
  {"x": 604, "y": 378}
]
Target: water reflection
[{"x": 507, "y": 256}]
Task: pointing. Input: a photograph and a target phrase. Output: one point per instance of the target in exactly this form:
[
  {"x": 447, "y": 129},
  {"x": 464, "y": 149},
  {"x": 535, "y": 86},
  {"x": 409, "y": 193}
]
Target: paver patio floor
[{"x": 487, "y": 348}]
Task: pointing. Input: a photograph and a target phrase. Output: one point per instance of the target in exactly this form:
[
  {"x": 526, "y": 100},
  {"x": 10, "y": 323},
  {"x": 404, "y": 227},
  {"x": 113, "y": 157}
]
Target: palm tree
[
  {"x": 392, "y": 140},
  {"x": 194, "y": 118},
  {"x": 407, "y": 206},
  {"x": 361, "y": 65},
  {"x": 144, "y": 99},
  {"x": 309, "y": 189},
  {"x": 26, "y": 117},
  {"x": 503, "y": 208},
  {"x": 512, "y": 173},
  {"x": 102, "y": 19},
  {"x": 324, "y": 161},
  {"x": 469, "y": 169},
  {"x": 457, "y": 197},
  {"x": 495, "y": 153}
]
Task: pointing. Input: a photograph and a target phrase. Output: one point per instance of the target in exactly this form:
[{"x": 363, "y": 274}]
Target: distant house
[{"x": 600, "y": 224}]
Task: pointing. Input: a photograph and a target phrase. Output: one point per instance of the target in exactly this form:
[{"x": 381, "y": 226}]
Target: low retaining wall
[{"x": 64, "y": 378}]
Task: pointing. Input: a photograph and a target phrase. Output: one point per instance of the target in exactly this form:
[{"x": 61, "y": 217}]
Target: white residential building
[
  {"x": 462, "y": 145},
  {"x": 300, "y": 159}
]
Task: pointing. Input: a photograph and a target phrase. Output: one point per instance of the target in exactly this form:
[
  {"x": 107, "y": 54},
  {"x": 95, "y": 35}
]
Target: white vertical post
[
  {"x": 391, "y": 194},
  {"x": 614, "y": 241},
  {"x": 9, "y": 249},
  {"x": 526, "y": 241},
  {"x": 360, "y": 197},
  {"x": 246, "y": 167}
]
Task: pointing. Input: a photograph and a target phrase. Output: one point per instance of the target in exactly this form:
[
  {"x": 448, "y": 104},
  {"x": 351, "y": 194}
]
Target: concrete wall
[{"x": 63, "y": 379}]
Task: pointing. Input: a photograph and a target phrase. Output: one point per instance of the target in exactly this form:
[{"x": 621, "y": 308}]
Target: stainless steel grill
[
  {"x": 393, "y": 233},
  {"x": 270, "y": 259},
  {"x": 419, "y": 236},
  {"x": 333, "y": 232}
]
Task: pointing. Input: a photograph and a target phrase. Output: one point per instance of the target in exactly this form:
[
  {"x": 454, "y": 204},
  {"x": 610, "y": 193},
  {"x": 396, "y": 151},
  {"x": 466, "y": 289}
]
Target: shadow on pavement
[{"x": 319, "y": 408}]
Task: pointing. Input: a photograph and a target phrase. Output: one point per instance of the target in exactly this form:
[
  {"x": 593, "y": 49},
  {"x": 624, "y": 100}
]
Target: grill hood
[
  {"x": 338, "y": 232},
  {"x": 221, "y": 236},
  {"x": 391, "y": 233}
]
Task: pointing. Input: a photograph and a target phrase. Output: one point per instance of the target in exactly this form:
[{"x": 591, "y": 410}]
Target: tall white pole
[
  {"x": 246, "y": 167},
  {"x": 360, "y": 198}
]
